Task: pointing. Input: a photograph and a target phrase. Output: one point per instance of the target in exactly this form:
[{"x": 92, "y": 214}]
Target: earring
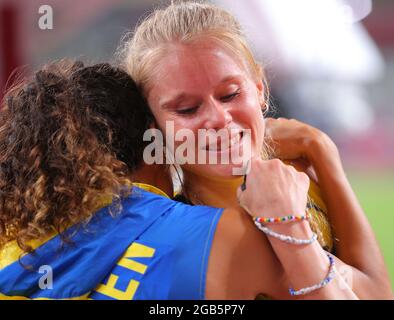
[{"x": 264, "y": 106}]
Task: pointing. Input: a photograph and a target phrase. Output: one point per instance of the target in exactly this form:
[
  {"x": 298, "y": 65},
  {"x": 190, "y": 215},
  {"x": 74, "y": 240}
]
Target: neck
[
  {"x": 155, "y": 175},
  {"x": 215, "y": 192}
]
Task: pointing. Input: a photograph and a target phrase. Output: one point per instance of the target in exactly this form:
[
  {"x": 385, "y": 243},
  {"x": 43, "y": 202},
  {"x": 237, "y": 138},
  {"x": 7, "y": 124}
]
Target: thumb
[{"x": 239, "y": 194}]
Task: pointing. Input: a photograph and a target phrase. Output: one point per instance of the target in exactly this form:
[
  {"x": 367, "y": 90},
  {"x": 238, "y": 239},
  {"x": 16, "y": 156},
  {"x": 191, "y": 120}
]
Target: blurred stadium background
[{"x": 330, "y": 63}]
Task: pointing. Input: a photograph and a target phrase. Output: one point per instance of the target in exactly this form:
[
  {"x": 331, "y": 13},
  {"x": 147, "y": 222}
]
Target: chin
[
  {"x": 215, "y": 171},
  {"x": 232, "y": 170}
]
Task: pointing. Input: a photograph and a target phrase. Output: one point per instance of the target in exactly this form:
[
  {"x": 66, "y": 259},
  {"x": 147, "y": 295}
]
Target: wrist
[
  {"x": 299, "y": 229},
  {"x": 304, "y": 265}
]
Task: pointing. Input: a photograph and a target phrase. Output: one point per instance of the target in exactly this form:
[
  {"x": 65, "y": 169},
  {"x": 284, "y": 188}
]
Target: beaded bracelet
[
  {"x": 284, "y": 219},
  {"x": 323, "y": 283},
  {"x": 282, "y": 237}
]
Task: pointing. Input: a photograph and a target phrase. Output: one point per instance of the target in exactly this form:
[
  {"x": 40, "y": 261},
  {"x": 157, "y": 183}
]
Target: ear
[
  {"x": 260, "y": 91},
  {"x": 153, "y": 125}
]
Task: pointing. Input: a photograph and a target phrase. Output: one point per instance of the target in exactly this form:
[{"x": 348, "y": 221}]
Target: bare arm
[
  {"x": 284, "y": 192},
  {"x": 357, "y": 245},
  {"x": 309, "y": 265},
  {"x": 243, "y": 262}
]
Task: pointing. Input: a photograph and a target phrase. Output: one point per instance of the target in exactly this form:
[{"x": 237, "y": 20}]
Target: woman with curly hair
[
  {"x": 82, "y": 217},
  {"x": 69, "y": 138}
]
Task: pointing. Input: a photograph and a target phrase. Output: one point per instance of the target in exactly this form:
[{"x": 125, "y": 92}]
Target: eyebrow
[
  {"x": 166, "y": 104},
  {"x": 230, "y": 78}
]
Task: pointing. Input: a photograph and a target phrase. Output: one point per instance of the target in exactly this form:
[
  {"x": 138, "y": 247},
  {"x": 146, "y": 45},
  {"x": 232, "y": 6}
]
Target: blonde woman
[{"x": 195, "y": 69}]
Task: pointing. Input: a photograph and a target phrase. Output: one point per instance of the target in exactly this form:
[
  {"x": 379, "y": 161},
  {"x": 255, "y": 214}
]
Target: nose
[{"x": 217, "y": 115}]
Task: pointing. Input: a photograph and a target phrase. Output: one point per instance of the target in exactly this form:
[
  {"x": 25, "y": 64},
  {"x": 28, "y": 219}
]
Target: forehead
[{"x": 193, "y": 67}]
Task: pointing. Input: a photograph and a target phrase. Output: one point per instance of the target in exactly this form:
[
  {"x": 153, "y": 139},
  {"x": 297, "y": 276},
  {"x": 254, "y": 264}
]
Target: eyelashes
[
  {"x": 194, "y": 109},
  {"x": 230, "y": 96},
  {"x": 187, "y": 111}
]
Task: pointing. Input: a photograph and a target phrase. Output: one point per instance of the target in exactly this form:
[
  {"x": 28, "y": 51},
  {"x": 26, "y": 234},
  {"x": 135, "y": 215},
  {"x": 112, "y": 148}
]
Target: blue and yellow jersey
[{"x": 155, "y": 248}]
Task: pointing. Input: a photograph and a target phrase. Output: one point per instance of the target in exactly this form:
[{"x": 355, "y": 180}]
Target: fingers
[
  {"x": 241, "y": 201},
  {"x": 239, "y": 194},
  {"x": 304, "y": 179},
  {"x": 301, "y": 177},
  {"x": 243, "y": 185},
  {"x": 273, "y": 186}
]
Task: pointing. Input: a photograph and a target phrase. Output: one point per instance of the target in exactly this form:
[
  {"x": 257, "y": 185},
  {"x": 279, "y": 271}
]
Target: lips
[{"x": 223, "y": 145}]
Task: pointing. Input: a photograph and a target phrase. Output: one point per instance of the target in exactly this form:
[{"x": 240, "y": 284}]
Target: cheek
[
  {"x": 251, "y": 116},
  {"x": 249, "y": 113},
  {"x": 260, "y": 132},
  {"x": 259, "y": 128},
  {"x": 171, "y": 125}
]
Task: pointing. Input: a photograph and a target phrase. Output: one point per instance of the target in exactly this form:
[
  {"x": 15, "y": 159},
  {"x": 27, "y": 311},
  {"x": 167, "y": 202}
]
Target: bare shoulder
[{"x": 242, "y": 262}]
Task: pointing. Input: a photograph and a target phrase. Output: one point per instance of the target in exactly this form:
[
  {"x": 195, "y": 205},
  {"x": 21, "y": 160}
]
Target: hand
[
  {"x": 292, "y": 139},
  {"x": 273, "y": 189}
]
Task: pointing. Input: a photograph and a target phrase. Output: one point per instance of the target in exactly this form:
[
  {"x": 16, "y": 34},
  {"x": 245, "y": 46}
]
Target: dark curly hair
[{"x": 68, "y": 136}]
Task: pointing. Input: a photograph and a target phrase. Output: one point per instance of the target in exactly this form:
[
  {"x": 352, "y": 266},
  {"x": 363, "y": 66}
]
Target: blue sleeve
[
  {"x": 198, "y": 229},
  {"x": 182, "y": 238}
]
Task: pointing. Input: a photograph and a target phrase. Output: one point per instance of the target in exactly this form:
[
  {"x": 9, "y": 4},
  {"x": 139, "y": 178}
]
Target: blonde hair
[
  {"x": 184, "y": 23},
  {"x": 187, "y": 22}
]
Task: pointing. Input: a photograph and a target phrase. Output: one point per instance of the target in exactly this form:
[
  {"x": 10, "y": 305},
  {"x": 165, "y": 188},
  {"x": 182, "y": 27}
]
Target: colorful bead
[
  {"x": 283, "y": 219},
  {"x": 323, "y": 283}
]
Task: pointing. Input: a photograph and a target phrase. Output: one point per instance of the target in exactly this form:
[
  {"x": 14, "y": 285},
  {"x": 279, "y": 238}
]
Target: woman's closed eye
[
  {"x": 194, "y": 109},
  {"x": 187, "y": 111},
  {"x": 230, "y": 97}
]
